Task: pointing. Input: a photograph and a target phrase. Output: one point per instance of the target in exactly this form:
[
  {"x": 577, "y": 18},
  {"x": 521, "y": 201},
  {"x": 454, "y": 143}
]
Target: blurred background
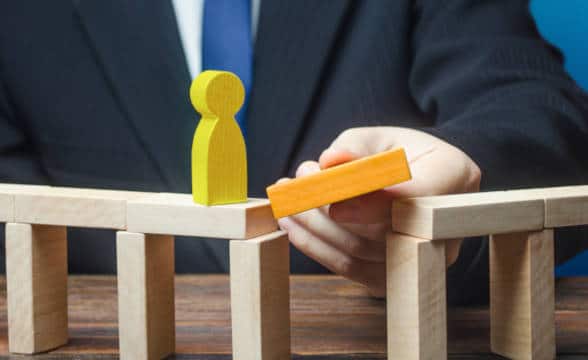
[{"x": 565, "y": 24}]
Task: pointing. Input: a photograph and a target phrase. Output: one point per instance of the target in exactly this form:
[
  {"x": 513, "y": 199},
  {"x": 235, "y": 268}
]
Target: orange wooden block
[{"x": 339, "y": 183}]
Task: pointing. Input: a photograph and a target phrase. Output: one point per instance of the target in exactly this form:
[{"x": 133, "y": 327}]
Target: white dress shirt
[{"x": 189, "y": 19}]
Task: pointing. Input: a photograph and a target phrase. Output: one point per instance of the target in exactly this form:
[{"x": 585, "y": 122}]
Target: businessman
[{"x": 94, "y": 94}]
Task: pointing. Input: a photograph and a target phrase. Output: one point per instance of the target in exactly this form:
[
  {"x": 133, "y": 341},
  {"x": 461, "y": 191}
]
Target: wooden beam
[
  {"x": 6, "y": 208},
  {"x": 146, "y": 311},
  {"x": 339, "y": 183},
  {"x": 175, "y": 214},
  {"x": 92, "y": 208},
  {"x": 564, "y": 206},
  {"x": 464, "y": 215},
  {"x": 7, "y": 198},
  {"x": 416, "y": 298},
  {"x": 426, "y": 217},
  {"x": 260, "y": 309},
  {"x": 36, "y": 276},
  {"x": 522, "y": 295}
]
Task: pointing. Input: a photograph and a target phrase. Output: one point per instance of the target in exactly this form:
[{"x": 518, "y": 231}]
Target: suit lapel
[
  {"x": 137, "y": 44},
  {"x": 138, "y": 47},
  {"x": 293, "y": 45}
]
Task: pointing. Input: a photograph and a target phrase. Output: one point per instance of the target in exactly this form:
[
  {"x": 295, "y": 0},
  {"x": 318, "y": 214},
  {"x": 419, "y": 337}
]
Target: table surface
[{"x": 332, "y": 318}]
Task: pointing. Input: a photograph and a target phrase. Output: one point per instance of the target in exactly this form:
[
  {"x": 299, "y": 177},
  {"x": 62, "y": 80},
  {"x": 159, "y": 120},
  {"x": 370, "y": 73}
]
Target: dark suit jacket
[{"x": 95, "y": 94}]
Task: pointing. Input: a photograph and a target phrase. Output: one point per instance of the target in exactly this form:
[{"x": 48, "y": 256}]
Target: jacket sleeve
[
  {"x": 19, "y": 162},
  {"x": 499, "y": 92}
]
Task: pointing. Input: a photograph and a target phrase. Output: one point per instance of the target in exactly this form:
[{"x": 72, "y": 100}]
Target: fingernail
[{"x": 327, "y": 152}]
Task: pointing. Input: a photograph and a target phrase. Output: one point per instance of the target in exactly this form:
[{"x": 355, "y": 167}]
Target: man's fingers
[
  {"x": 307, "y": 168},
  {"x": 371, "y": 232},
  {"x": 320, "y": 224},
  {"x": 368, "y": 273},
  {"x": 309, "y": 244},
  {"x": 370, "y": 208},
  {"x": 440, "y": 171},
  {"x": 333, "y": 157},
  {"x": 452, "y": 251},
  {"x": 365, "y": 141}
]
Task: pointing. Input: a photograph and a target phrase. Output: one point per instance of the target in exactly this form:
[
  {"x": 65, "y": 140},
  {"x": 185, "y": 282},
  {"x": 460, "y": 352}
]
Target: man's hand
[{"x": 348, "y": 237}]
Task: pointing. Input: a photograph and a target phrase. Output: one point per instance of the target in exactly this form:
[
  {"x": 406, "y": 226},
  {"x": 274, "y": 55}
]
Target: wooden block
[
  {"x": 146, "y": 313},
  {"x": 36, "y": 276},
  {"x": 522, "y": 295},
  {"x": 564, "y": 206},
  {"x": 7, "y": 195},
  {"x": 339, "y": 183},
  {"x": 260, "y": 297},
  {"x": 177, "y": 214},
  {"x": 416, "y": 298},
  {"x": 463, "y": 215},
  {"x": 219, "y": 160},
  {"x": 6, "y": 207},
  {"x": 13, "y": 188},
  {"x": 91, "y": 208}
]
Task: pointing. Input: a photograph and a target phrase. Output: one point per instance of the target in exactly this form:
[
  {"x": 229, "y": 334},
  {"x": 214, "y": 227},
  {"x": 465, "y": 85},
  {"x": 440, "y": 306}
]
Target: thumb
[{"x": 353, "y": 144}]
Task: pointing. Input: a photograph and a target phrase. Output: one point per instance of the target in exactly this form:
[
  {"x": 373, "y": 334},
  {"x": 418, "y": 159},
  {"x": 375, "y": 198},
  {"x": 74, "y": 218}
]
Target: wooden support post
[
  {"x": 146, "y": 311},
  {"x": 522, "y": 295},
  {"x": 260, "y": 297},
  {"x": 36, "y": 276},
  {"x": 416, "y": 298}
]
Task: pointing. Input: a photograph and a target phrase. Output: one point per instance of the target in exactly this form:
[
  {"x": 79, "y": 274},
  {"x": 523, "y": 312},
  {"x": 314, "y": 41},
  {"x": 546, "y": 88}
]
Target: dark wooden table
[{"x": 331, "y": 319}]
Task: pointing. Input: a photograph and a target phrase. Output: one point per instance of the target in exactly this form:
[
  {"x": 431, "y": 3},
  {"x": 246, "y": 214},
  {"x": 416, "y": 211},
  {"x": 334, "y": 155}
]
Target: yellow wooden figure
[{"x": 219, "y": 159}]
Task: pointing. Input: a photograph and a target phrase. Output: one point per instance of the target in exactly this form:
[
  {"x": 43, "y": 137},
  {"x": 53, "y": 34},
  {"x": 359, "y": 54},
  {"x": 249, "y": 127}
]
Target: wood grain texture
[
  {"x": 146, "y": 310},
  {"x": 36, "y": 268},
  {"x": 522, "y": 295},
  {"x": 219, "y": 159},
  {"x": 332, "y": 318},
  {"x": 176, "y": 214},
  {"x": 6, "y": 207},
  {"x": 339, "y": 183},
  {"x": 93, "y": 208},
  {"x": 7, "y": 197},
  {"x": 564, "y": 206},
  {"x": 416, "y": 298},
  {"x": 465, "y": 215},
  {"x": 260, "y": 297}
]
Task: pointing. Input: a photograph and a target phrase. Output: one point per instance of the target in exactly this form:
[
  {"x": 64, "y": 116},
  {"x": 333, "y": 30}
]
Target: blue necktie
[{"x": 226, "y": 43}]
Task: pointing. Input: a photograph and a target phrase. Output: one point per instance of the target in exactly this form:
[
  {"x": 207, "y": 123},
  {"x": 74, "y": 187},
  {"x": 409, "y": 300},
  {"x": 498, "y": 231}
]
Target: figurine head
[{"x": 217, "y": 94}]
